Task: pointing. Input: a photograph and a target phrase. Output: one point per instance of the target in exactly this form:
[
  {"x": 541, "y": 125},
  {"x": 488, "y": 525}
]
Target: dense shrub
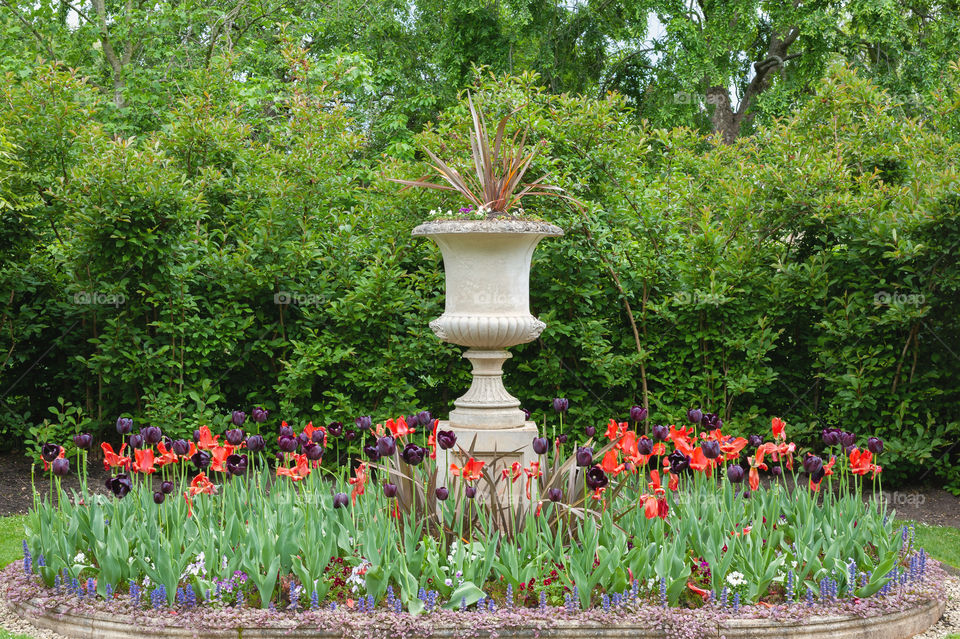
[{"x": 808, "y": 271}]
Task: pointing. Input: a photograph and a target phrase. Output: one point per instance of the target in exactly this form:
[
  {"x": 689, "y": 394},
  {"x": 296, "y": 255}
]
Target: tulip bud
[
  {"x": 660, "y": 433},
  {"x": 136, "y": 440},
  {"x": 238, "y": 417},
  {"x": 695, "y": 415},
  {"x": 446, "y": 439},
  {"x": 60, "y": 467},
  {"x": 370, "y": 450},
  {"x": 234, "y": 436},
  {"x": 561, "y": 404},
  {"x": 470, "y": 492},
  {"x": 554, "y": 494},
  {"x": 259, "y": 415},
  {"x": 776, "y": 471},
  {"x": 596, "y": 478},
  {"x": 256, "y": 443},
  {"x": 201, "y": 459},
  {"x": 541, "y": 445},
  {"x": 363, "y": 423},
  {"x": 526, "y": 414},
  {"x": 236, "y": 464},
  {"x": 425, "y": 418},
  {"x": 812, "y": 464},
  {"x": 442, "y": 493},
  {"x": 847, "y": 439},
  {"x": 830, "y": 436},
  {"x": 286, "y": 443},
  {"x": 285, "y": 431},
  {"x": 735, "y": 473},
  {"x": 755, "y": 440},
  {"x": 562, "y": 438},
  {"x": 151, "y": 434},
  {"x": 313, "y": 451},
  {"x": 390, "y": 491},
  {"x": 638, "y": 414},
  {"x": 159, "y": 498},
  {"x": 711, "y": 449},
  {"x": 167, "y": 487},
  {"x": 386, "y": 446},
  {"x": 196, "y": 436},
  {"x": 413, "y": 454},
  {"x": 875, "y": 445},
  {"x": 645, "y": 446},
  {"x": 83, "y": 441},
  {"x": 590, "y": 431},
  {"x": 584, "y": 456},
  {"x": 124, "y": 425},
  {"x": 349, "y": 434},
  {"x": 340, "y": 500},
  {"x": 712, "y": 421}
]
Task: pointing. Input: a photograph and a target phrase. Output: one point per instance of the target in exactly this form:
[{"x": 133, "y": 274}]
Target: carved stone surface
[{"x": 487, "y": 308}]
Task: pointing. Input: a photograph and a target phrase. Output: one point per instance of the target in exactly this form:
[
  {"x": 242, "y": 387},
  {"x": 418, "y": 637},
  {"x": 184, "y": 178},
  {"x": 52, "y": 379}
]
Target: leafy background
[{"x": 159, "y": 202}]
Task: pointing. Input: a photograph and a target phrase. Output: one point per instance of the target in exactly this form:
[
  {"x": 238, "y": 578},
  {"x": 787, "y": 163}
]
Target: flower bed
[{"x": 673, "y": 531}]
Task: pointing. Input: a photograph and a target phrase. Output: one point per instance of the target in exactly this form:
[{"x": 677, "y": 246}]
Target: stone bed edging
[{"x": 898, "y": 625}]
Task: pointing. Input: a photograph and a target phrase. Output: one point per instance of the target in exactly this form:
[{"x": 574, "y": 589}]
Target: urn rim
[{"x": 505, "y": 226}]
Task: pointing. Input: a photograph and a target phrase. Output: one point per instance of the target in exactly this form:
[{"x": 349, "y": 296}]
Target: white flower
[
  {"x": 448, "y": 582},
  {"x": 80, "y": 558},
  {"x": 736, "y": 579}
]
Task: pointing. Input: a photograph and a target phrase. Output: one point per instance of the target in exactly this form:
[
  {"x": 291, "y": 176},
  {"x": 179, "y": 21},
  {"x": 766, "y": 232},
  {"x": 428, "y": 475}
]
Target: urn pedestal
[{"x": 487, "y": 268}]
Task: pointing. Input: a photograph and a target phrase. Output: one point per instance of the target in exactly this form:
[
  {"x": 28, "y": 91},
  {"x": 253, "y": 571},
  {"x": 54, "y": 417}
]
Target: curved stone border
[{"x": 898, "y": 625}]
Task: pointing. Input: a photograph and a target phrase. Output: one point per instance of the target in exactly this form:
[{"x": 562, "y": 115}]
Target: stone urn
[{"x": 487, "y": 266}]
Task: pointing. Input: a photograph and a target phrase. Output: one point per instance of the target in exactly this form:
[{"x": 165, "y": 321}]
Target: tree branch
[{"x": 33, "y": 30}]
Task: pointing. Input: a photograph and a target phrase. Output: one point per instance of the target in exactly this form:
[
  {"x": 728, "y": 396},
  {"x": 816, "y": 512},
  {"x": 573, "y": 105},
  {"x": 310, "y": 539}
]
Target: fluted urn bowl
[{"x": 487, "y": 267}]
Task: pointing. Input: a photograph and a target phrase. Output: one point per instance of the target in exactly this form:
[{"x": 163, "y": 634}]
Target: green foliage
[{"x": 11, "y": 538}]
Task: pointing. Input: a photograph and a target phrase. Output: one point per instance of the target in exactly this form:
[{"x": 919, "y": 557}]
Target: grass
[
  {"x": 942, "y": 542},
  {"x": 6, "y": 635},
  {"x": 11, "y": 541}
]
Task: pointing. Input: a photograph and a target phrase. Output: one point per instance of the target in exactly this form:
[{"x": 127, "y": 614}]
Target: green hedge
[{"x": 809, "y": 271}]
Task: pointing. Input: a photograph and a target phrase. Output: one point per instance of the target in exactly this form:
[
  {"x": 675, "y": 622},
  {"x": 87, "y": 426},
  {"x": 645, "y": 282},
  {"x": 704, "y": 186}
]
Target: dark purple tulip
[
  {"x": 120, "y": 485},
  {"x": 318, "y": 437},
  {"x": 562, "y": 438},
  {"x": 541, "y": 445},
  {"x": 363, "y": 423},
  {"x": 167, "y": 487},
  {"x": 340, "y": 500},
  {"x": 678, "y": 462},
  {"x": 303, "y": 439},
  {"x": 196, "y": 436},
  {"x": 136, "y": 440},
  {"x": 812, "y": 464},
  {"x": 180, "y": 447},
  {"x": 234, "y": 436},
  {"x": 425, "y": 418},
  {"x": 470, "y": 492},
  {"x": 285, "y": 431},
  {"x": 590, "y": 431},
  {"x": 61, "y": 467},
  {"x": 313, "y": 451},
  {"x": 286, "y": 443},
  {"x": 660, "y": 433},
  {"x": 711, "y": 449},
  {"x": 413, "y": 454},
  {"x": 554, "y": 494},
  {"x": 255, "y": 443},
  {"x": 446, "y": 439},
  {"x": 124, "y": 425},
  {"x": 526, "y": 414},
  {"x": 776, "y": 471},
  {"x": 875, "y": 445},
  {"x": 167, "y": 442},
  {"x": 259, "y": 415},
  {"x": 645, "y": 446},
  {"x": 349, "y": 434},
  {"x": 386, "y": 446},
  {"x": 159, "y": 498},
  {"x": 389, "y": 491},
  {"x": 818, "y": 474},
  {"x": 442, "y": 493},
  {"x": 49, "y": 452},
  {"x": 695, "y": 415},
  {"x": 413, "y": 420},
  {"x": 638, "y": 414},
  {"x": 830, "y": 436},
  {"x": 596, "y": 478},
  {"x": 151, "y": 434},
  {"x": 370, "y": 450},
  {"x": 849, "y": 449},
  {"x": 561, "y": 404},
  {"x": 712, "y": 421},
  {"x": 335, "y": 429},
  {"x": 848, "y": 439},
  {"x": 201, "y": 459},
  {"x": 236, "y": 464},
  {"x": 584, "y": 456},
  {"x": 83, "y": 441},
  {"x": 735, "y": 473},
  {"x": 755, "y": 440},
  {"x": 238, "y": 417}
]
